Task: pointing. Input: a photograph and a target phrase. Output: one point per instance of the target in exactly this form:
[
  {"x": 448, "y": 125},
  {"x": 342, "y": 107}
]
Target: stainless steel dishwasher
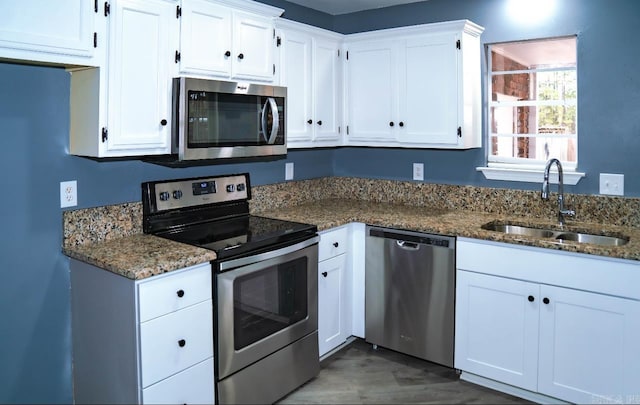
[{"x": 410, "y": 293}]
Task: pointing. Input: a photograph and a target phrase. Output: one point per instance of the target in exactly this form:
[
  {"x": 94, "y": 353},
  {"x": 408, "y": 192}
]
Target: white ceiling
[{"x": 335, "y": 7}]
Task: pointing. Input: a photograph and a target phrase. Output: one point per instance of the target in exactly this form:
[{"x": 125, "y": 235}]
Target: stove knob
[
  {"x": 177, "y": 194},
  {"x": 164, "y": 196},
  {"x": 240, "y": 187},
  {"x": 231, "y": 188}
]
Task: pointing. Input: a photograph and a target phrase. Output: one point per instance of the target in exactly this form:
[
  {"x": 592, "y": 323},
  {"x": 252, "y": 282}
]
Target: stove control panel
[{"x": 200, "y": 191}]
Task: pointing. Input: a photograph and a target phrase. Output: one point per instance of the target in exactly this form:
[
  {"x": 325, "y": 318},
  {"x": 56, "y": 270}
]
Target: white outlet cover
[
  {"x": 68, "y": 194},
  {"x": 418, "y": 171},
  {"x": 288, "y": 171},
  {"x": 611, "y": 184}
]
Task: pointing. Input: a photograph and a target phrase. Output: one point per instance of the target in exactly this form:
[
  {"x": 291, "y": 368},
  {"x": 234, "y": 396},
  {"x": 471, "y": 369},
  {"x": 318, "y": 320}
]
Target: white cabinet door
[
  {"x": 327, "y": 75},
  {"x": 253, "y": 43},
  {"x": 331, "y": 303},
  {"x": 589, "y": 347},
  {"x": 371, "y": 88},
  {"x": 429, "y": 91},
  {"x": 140, "y": 57},
  {"x": 497, "y": 328},
  {"x": 296, "y": 76},
  {"x": 205, "y": 38},
  {"x": 62, "y": 27}
]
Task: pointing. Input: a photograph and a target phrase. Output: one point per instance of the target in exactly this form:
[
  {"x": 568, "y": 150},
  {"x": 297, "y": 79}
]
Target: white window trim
[{"x": 529, "y": 175}]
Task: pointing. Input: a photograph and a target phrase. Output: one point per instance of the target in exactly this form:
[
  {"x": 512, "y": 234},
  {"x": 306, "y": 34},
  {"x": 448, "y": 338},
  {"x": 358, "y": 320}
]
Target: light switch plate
[
  {"x": 288, "y": 171},
  {"x": 418, "y": 171},
  {"x": 68, "y": 194},
  {"x": 611, "y": 184}
]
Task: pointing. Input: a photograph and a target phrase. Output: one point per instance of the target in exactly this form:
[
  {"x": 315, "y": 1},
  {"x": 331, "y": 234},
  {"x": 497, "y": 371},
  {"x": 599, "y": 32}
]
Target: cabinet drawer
[
  {"x": 332, "y": 243},
  {"x": 175, "y": 341},
  {"x": 174, "y": 291},
  {"x": 194, "y": 385}
]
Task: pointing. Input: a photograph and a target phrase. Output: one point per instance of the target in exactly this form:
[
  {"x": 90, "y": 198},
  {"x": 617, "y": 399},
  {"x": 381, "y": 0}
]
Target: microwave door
[{"x": 270, "y": 110}]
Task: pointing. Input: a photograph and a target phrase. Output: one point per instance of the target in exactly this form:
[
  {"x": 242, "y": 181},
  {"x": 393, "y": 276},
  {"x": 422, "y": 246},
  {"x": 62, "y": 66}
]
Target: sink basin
[
  {"x": 562, "y": 236},
  {"x": 518, "y": 230},
  {"x": 594, "y": 239}
]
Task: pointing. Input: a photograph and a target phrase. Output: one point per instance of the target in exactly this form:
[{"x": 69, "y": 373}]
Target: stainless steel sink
[
  {"x": 590, "y": 238},
  {"x": 562, "y": 236}
]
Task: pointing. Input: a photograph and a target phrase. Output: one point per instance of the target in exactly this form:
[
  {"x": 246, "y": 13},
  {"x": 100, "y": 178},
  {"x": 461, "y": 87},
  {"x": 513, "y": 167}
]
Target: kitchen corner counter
[
  {"x": 139, "y": 256},
  {"x": 330, "y": 213}
]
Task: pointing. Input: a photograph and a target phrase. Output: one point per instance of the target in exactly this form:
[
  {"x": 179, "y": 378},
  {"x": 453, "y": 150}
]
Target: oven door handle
[{"x": 245, "y": 261}]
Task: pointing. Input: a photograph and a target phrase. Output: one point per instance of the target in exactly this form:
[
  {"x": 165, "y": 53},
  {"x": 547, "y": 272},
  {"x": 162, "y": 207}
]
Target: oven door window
[
  {"x": 268, "y": 301},
  {"x": 227, "y": 120}
]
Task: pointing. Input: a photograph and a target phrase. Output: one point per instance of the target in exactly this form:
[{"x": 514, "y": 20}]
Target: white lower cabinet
[
  {"x": 333, "y": 306},
  {"x": 520, "y": 322},
  {"x": 146, "y": 341}
]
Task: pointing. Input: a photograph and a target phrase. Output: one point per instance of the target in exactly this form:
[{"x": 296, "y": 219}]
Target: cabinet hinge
[
  {"x": 274, "y": 32},
  {"x": 95, "y": 39},
  {"x": 338, "y": 53},
  {"x": 278, "y": 41},
  {"x": 458, "y": 44},
  {"x": 274, "y": 69},
  {"x": 347, "y": 55},
  {"x": 178, "y": 11},
  {"x": 107, "y": 9},
  {"x": 459, "y": 132},
  {"x": 177, "y": 57},
  {"x": 105, "y": 134},
  {"x": 338, "y": 129},
  {"x": 347, "y": 129},
  {"x": 95, "y": 6}
]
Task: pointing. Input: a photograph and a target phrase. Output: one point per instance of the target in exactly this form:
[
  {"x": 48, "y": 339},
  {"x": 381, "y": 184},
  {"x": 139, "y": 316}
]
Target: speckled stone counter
[
  {"x": 330, "y": 213},
  {"x": 111, "y": 237}
]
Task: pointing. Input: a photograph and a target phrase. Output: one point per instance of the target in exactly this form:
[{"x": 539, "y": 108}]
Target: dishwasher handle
[{"x": 411, "y": 239}]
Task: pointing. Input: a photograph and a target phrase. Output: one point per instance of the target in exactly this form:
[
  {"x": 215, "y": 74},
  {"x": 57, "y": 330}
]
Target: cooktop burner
[
  {"x": 213, "y": 213},
  {"x": 235, "y": 236}
]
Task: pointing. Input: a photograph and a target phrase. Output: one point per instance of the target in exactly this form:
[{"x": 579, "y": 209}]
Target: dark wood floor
[{"x": 358, "y": 374}]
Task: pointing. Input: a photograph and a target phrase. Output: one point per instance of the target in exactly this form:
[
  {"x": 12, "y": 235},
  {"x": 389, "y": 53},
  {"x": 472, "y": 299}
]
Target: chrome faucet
[{"x": 545, "y": 190}]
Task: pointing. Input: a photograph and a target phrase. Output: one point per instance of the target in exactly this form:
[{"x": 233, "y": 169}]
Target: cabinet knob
[
  {"x": 309, "y": 122},
  {"x": 182, "y": 342},
  {"x": 401, "y": 124},
  {"x": 320, "y": 122},
  {"x": 324, "y": 274},
  {"x": 336, "y": 244},
  {"x": 227, "y": 54},
  {"x": 391, "y": 124},
  {"x": 241, "y": 56},
  {"x": 531, "y": 299},
  {"x": 163, "y": 122},
  {"x": 545, "y": 300},
  {"x": 180, "y": 293}
]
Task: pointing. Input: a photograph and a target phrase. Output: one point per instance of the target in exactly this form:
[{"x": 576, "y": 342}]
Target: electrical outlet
[
  {"x": 611, "y": 184},
  {"x": 418, "y": 171},
  {"x": 68, "y": 194},
  {"x": 288, "y": 171}
]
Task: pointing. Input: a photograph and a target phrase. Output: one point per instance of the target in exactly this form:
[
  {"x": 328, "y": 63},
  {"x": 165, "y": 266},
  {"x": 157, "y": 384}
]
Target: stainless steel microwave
[{"x": 215, "y": 119}]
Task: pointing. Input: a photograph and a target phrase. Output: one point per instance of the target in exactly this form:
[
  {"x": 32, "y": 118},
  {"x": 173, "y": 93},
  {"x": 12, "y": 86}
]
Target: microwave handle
[{"x": 271, "y": 102}]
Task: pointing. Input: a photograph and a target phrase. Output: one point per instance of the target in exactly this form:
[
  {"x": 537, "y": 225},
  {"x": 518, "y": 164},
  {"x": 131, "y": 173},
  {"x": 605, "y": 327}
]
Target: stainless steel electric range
[{"x": 264, "y": 285}]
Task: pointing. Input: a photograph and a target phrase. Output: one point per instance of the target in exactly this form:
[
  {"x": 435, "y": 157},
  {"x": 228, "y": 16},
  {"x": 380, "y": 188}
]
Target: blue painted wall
[{"x": 35, "y": 347}]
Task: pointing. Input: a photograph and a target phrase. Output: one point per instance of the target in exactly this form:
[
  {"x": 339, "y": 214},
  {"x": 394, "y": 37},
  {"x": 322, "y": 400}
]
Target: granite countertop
[
  {"x": 331, "y": 213},
  {"x": 139, "y": 256}
]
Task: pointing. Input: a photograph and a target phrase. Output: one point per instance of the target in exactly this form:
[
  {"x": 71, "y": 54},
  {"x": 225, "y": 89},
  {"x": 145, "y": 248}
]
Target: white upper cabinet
[
  {"x": 49, "y": 31},
  {"x": 124, "y": 107},
  {"x": 227, "y": 39},
  {"x": 311, "y": 69},
  {"x": 415, "y": 87}
]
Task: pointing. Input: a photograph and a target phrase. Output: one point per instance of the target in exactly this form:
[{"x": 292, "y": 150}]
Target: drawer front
[
  {"x": 194, "y": 385},
  {"x": 172, "y": 292},
  {"x": 333, "y": 243},
  {"x": 173, "y": 342}
]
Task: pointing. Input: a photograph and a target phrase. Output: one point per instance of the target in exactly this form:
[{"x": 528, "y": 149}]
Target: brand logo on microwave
[{"x": 242, "y": 88}]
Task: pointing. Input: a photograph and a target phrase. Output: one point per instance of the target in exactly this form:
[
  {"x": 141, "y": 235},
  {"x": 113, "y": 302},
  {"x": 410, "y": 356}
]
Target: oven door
[{"x": 264, "y": 303}]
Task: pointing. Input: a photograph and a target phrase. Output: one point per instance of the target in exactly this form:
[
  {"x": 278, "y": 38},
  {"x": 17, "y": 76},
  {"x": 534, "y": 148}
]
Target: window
[{"x": 532, "y": 98}]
